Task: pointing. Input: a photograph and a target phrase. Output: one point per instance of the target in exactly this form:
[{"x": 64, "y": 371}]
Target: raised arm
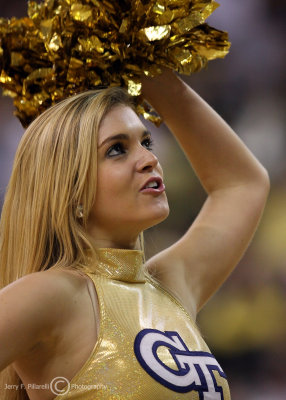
[{"x": 236, "y": 183}]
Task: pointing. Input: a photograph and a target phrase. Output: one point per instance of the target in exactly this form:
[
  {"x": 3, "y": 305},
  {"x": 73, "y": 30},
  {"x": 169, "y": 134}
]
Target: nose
[{"x": 147, "y": 160}]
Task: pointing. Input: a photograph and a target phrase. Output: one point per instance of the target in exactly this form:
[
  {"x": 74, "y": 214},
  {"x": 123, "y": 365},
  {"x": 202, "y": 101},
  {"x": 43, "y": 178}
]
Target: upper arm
[
  {"x": 196, "y": 265},
  {"x": 30, "y": 309}
]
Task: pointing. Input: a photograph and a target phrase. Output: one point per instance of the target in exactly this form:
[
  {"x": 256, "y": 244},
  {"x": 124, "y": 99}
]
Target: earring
[{"x": 79, "y": 211}]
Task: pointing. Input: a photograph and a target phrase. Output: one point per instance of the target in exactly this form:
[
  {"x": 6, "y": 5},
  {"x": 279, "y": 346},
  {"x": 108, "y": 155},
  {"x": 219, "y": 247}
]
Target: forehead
[{"x": 121, "y": 119}]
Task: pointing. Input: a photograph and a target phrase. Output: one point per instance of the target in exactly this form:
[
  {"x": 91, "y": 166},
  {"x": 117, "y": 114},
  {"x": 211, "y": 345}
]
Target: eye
[
  {"x": 115, "y": 150},
  {"x": 148, "y": 143}
]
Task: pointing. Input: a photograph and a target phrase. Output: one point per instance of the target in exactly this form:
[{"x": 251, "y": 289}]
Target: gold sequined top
[{"x": 148, "y": 345}]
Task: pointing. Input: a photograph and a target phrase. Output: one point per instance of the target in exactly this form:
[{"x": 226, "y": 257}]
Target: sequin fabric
[{"x": 136, "y": 314}]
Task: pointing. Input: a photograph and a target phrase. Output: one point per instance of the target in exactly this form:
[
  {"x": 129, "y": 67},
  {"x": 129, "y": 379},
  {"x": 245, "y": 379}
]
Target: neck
[{"x": 101, "y": 239}]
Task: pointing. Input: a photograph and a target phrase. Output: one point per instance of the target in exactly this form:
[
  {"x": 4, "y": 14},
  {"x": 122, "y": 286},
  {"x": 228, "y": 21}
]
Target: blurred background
[{"x": 244, "y": 323}]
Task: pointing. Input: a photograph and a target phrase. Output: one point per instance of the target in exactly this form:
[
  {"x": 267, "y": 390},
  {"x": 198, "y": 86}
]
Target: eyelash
[{"x": 119, "y": 147}]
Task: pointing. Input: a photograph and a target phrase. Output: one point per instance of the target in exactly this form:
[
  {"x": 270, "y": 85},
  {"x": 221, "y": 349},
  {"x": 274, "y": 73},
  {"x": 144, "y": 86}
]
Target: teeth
[{"x": 152, "y": 184}]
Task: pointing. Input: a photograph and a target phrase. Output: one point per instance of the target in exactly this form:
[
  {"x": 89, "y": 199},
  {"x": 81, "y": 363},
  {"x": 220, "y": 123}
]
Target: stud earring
[{"x": 79, "y": 211}]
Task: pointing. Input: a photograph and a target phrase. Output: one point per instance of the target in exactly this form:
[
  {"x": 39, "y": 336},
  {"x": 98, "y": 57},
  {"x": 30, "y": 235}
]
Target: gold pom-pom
[{"x": 64, "y": 47}]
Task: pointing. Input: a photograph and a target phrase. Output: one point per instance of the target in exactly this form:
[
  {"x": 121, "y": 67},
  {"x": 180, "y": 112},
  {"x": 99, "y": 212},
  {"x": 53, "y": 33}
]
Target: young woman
[{"x": 81, "y": 317}]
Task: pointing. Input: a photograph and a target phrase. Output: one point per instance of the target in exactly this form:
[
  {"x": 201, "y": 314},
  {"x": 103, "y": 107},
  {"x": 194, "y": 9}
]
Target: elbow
[
  {"x": 260, "y": 188},
  {"x": 255, "y": 190},
  {"x": 263, "y": 182}
]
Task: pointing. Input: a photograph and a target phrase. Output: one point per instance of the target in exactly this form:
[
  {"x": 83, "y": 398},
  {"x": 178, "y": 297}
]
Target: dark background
[{"x": 244, "y": 323}]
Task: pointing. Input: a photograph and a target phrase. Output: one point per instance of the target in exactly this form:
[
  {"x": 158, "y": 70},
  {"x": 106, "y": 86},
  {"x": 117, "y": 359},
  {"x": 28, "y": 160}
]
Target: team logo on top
[{"x": 195, "y": 369}]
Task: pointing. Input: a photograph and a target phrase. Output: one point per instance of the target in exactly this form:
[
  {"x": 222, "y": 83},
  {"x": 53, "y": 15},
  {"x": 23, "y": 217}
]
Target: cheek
[{"x": 112, "y": 182}]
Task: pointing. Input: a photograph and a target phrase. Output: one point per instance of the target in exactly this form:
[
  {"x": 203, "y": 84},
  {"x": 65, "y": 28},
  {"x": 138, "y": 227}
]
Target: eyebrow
[{"x": 122, "y": 136}]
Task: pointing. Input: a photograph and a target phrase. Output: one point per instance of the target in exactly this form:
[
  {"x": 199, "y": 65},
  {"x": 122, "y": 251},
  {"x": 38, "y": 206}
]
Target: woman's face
[{"x": 130, "y": 192}]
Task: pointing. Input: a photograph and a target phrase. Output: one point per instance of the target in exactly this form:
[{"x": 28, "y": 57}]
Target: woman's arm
[
  {"x": 236, "y": 183},
  {"x": 31, "y": 309}
]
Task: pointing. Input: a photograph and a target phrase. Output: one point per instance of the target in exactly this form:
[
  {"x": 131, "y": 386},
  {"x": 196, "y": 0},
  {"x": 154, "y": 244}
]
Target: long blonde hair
[{"x": 54, "y": 173}]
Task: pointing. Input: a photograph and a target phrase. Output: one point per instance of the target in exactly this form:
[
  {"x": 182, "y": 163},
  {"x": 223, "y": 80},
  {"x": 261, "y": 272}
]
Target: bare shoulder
[
  {"x": 35, "y": 305},
  {"x": 41, "y": 290}
]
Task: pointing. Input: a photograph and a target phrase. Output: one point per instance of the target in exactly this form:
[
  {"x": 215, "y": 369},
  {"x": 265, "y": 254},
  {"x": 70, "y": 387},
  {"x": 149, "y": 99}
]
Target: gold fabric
[{"x": 136, "y": 314}]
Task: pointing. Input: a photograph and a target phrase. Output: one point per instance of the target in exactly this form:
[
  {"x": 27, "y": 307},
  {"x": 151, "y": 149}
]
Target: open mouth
[{"x": 153, "y": 185}]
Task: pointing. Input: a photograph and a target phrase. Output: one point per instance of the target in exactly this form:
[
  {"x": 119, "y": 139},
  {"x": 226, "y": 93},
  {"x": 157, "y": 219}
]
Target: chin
[{"x": 157, "y": 217}]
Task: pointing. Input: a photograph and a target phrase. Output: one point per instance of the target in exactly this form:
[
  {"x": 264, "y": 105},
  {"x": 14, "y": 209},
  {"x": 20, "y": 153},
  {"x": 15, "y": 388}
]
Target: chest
[{"x": 147, "y": 345}]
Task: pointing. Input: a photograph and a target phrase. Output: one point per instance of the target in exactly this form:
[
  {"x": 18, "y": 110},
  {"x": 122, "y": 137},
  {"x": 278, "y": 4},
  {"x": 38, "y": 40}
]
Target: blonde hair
[{"x": 54, "y": 173}]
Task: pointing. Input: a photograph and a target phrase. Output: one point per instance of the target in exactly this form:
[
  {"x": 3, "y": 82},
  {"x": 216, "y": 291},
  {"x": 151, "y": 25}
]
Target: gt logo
[{"x": 195, "y": 368}]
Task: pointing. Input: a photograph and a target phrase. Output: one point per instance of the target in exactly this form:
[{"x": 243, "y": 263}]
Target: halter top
[{"x": 148, "y": 345}]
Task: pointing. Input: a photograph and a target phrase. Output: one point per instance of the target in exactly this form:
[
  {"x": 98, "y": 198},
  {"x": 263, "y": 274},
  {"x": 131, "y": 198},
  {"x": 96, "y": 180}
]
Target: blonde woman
[{"x": 81, "y": 316}]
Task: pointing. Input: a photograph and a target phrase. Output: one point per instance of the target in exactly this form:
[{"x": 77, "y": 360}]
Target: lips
[{"x": 153, "y": 185}]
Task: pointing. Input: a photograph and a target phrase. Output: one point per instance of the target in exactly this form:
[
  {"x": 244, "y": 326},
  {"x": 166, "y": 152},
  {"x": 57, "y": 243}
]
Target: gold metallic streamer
[{"x": 67, "y": 46}]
